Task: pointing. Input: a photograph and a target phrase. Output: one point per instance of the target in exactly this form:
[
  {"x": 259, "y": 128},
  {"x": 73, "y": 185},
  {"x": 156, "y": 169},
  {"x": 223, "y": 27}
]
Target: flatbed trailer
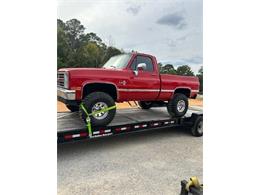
[{"x": 72, "y": 128}]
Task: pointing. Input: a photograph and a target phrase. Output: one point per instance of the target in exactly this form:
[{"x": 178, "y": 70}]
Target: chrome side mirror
[{"x": 141, "y": 66}]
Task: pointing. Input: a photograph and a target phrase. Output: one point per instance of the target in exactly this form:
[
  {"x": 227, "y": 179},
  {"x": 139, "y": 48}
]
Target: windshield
[{"x": 117, "y": 62}]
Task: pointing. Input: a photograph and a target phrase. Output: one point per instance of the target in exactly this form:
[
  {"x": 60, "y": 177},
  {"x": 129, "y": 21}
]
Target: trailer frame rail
[{"x": 70, "y": 135}]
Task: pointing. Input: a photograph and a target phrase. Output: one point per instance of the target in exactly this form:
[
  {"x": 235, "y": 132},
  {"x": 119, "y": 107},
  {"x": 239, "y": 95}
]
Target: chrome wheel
[
  {"x": 181, "y": 106},
  {"x": 99, "y": 106},
  {"x": 200, "y": 127}
]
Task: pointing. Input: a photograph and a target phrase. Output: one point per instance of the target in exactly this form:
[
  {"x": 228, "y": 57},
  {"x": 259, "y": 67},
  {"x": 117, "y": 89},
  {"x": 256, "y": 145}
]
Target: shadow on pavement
[{"x": 108, "y": 143}]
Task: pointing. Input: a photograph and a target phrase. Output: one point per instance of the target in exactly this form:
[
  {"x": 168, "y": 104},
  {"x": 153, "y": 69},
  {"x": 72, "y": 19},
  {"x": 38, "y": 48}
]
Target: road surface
[{"x": 151, "y": 162}]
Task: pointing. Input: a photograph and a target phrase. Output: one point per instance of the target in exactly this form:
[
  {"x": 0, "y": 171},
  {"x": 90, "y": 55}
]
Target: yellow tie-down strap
[{"x": 88, "y": 120}]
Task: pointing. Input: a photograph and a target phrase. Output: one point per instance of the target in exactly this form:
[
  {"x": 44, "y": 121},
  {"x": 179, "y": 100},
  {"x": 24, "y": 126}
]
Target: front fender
[{"x": 98, "y": 82}]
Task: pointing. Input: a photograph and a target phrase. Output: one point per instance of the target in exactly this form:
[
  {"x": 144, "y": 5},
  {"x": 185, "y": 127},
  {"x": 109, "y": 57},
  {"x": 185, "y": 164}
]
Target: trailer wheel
[
  {"x": 178, "y": 105},
  {"x": 197, "y": 129},
  {"x": 145, "y": 105},
  {"x": 72, "y": 108},
  {"x": 97, "y": 101}
]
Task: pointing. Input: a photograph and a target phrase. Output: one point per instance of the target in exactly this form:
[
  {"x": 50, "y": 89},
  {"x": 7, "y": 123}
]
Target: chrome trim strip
[
  {"x": 167, "y": 90},
  {"x": 139, "y": 90},
  {"x": 153, "y": 90},
  {"x": 66, "y": 94}
]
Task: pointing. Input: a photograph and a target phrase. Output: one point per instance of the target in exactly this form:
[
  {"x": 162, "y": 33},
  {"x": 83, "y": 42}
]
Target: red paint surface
[{"x": 79, "y": 77}]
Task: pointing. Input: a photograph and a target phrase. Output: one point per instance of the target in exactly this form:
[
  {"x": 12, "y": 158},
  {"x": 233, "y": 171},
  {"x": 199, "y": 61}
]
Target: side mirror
[{"x": 140, "y": 67}]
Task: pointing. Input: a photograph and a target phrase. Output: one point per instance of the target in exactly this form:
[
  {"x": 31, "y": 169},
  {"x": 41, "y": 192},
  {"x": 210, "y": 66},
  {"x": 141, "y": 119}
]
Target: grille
[{"x": 60, "y": 79}]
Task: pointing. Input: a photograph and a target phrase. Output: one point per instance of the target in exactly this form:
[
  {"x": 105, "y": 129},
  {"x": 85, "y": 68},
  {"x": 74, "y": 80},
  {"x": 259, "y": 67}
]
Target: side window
[{"x": 147, "y": 61}]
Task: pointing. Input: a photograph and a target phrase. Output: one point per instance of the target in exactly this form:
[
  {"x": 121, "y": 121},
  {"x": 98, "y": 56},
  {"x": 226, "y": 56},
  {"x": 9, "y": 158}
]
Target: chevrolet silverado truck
[{"x": 125, "y": 77}]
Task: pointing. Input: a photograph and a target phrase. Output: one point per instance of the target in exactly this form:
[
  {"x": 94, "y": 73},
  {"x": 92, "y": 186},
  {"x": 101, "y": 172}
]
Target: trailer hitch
[{"x": 88, "y": 120}]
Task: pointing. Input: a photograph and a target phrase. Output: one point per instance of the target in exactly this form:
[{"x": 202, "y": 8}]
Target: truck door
[{"x": 144, "y": 84}]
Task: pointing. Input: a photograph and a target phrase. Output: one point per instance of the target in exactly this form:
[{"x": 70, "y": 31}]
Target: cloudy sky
[{"x": 169, "y": 29}]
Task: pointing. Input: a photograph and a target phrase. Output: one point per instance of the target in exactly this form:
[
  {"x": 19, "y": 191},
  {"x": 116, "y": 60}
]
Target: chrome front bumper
[{"x": 66, "y": 94}]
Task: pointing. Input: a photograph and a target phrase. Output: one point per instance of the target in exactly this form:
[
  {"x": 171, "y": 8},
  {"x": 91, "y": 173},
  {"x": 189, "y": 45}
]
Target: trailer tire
[
  {"x": 178, "y": 105},
  {"x": 197, "y": 128},
  {"x": 72, "y": 108},
  {"x": 94, "y": 102},
  {"x": 145, "y": 105}
]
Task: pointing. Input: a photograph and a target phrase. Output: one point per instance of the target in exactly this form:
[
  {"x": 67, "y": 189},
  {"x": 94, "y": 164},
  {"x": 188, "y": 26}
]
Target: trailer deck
[{"x": 72, "y": 128}]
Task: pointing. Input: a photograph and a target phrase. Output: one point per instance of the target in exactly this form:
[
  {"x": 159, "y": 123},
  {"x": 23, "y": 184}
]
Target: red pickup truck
[{"x": 125, "y": 77}]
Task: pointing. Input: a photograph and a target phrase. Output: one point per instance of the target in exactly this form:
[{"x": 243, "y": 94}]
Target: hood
[{"x": 95, "y": 72}]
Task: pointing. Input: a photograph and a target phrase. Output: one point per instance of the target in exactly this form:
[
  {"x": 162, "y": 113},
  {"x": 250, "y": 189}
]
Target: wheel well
[
  {"x": 101, "y": 87},
  {"x": 184, "y": 91}
]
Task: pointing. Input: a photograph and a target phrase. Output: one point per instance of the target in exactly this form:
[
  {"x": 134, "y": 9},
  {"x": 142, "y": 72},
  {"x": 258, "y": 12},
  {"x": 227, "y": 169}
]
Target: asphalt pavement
[{"x": 151, "y": 162}]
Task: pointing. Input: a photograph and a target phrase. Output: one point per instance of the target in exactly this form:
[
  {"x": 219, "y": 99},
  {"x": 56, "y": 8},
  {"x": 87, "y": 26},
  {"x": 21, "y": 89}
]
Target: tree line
[
  {"x": 79, "y": 49},
  {"x": 75, "y": 48}
]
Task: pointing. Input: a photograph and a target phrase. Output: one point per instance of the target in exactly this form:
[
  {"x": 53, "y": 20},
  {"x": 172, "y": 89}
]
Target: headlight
[{"x": 66, "y": 80}]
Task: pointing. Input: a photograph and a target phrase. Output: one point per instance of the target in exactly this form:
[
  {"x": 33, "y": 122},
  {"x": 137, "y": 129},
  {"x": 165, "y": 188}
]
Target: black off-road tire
[
  {"x": 145, "y": 105},
  {"x": 72, "y": 108},
  {"x": 90, "y": 100},
  {"x": 172, "y": 105},
  {"x": 197, "y": 129}
]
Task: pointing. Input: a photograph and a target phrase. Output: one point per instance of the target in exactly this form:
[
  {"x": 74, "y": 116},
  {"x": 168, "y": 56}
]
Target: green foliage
[
  {"x": 166, "y": 69},
  {"x": 160, "y": 65},
  {"x": 89, "y": 55},
  {"x": 74, "y": 31},
  {"x": 63, "y": 48},
  {"x": 75, "y": 48},
  {"x": 200, "y": 76},
  {"x": 184, "y": 70},
  {"x": 111, "y": 51},
  {"x": 172, "y": 71}
]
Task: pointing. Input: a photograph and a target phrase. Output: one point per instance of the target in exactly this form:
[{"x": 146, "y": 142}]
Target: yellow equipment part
[{"x": 193, "y": 182}]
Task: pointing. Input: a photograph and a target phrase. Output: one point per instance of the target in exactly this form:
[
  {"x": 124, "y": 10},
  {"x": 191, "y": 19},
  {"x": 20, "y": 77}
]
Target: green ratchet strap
[{"x": 88, "y": 120}]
